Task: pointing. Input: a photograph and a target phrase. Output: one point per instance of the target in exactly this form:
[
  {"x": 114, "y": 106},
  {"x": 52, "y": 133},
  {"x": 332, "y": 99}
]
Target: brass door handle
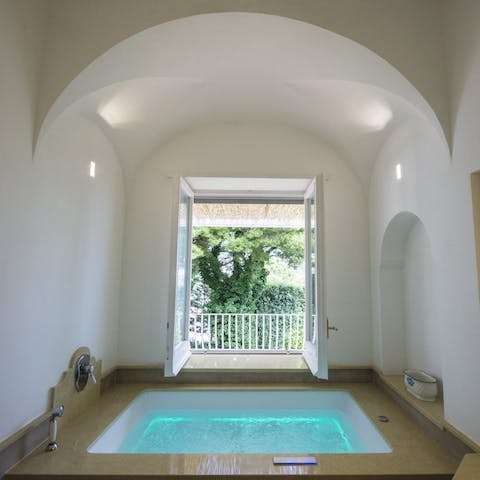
[{"x": 333, "y": 327}]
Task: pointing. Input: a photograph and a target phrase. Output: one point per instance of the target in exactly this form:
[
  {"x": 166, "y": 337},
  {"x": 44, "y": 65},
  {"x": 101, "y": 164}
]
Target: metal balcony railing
[{"x": 263, "y": 332}]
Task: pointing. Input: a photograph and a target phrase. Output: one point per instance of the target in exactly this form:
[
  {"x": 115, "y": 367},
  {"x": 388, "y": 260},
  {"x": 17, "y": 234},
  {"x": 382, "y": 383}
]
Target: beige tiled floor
[{"x": 413, "y": 452}]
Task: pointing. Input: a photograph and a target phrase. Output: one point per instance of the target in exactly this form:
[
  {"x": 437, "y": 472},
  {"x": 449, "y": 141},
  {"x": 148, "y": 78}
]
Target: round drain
[{"x": 383, "y": 418}]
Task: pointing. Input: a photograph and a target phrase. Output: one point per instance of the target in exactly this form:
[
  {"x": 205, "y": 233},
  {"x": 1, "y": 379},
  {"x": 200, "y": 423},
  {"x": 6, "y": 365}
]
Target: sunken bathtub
[{"x": 241, "y": 422}]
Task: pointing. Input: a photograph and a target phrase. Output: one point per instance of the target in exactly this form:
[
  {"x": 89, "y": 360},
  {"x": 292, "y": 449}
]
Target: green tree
[
  {"x": 231, "y": 263},
  {"x": 280, "y": 273},
  {"x": 281, "y": 299}
]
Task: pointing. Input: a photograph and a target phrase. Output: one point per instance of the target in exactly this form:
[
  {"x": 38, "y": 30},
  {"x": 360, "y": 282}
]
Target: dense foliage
[
  {"x": 230, "y": 269},
  {"x": 281, "y": 299}
]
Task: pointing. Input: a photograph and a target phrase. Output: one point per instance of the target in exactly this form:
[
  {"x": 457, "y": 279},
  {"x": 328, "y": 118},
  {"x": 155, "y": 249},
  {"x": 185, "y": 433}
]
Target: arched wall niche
[{"x": 410, "y": 334}]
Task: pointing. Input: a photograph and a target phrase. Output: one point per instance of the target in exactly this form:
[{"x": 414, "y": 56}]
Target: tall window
[
  {"x": 248, "y": 275},
  {"x": 249, "y": 257}
]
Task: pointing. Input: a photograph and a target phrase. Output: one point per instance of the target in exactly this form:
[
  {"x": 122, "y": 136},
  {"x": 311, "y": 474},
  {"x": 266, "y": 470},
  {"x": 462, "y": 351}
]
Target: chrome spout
[{"x": 53, "y": 428}]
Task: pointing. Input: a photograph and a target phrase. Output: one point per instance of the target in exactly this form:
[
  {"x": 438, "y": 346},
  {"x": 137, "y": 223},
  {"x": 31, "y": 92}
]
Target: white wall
[
  {"x": 60, "y": 242},
  {"x": 459, "y": 282},
  {"x": 438, "y": 192},
  {"x": 80, "y": 231},
  {"x": 408, "y": 319},
  {"x": 423, "y": 341},
  {"x": 392, "y": 311},
  {"x": 425, "y": 166},
  {"x": 242, "y": 150}
]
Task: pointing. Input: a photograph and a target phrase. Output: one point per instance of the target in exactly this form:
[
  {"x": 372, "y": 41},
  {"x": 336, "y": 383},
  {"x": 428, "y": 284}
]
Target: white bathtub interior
[{"x": 111, "y": 439}]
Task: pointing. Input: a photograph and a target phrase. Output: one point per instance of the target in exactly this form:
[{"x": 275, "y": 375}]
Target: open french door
[
  {"x": 315, "y": 348},
  {"x": 178, "y": 347}
]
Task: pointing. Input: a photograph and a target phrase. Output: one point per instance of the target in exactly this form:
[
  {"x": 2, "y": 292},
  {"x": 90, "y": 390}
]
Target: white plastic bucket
[{"x": 420, "y": 384}]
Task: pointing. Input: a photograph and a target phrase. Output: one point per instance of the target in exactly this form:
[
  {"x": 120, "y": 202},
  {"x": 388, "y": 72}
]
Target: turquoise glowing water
[{"x": 237, "y": 431}]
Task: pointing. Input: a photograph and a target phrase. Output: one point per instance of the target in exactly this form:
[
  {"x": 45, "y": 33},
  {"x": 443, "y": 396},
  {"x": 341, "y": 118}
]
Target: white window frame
[
  {"x": 315, "y": 349},
  {"x": 178, "y": 353}
]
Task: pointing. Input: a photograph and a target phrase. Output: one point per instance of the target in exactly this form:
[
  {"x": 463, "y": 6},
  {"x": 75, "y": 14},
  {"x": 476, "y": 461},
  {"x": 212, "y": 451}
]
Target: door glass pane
[
  {"x": 312, "y": 269},
  {"x": 182, "y": 268}
]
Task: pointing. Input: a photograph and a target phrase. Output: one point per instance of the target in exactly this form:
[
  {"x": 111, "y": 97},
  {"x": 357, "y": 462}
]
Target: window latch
[{"x": 333, "y": 327}]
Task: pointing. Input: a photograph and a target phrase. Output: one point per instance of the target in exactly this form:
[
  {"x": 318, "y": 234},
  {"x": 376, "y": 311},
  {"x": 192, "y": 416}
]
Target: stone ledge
[{"x": 469, "y": 469}]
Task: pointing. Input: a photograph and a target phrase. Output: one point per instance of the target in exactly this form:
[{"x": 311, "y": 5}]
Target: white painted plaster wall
[
  {"x": 242, "y": 150},
  {"x": 83, "y": 232},
  {"x": 423, "y": 342},
  {"x": 392, "y": 310},
  {"x": 459, "y": 290},
  {"x": 424, "y": 165},
  {"x": 438, "y": 192},
  {"x": 60, "y": 234},
  {"x": 408, "y": 299}
]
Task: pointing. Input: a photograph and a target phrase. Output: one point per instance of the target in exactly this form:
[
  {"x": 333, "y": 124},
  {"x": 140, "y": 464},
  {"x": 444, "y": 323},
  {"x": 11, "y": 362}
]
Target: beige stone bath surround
[{"x": 414, "y": 453}]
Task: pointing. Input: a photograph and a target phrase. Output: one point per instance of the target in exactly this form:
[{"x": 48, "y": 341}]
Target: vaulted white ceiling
[{"x": 239, "y": 68}]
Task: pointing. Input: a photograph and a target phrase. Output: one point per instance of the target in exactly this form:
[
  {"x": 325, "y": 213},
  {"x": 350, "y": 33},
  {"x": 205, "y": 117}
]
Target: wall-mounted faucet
[{"x": 83, "y": 371}]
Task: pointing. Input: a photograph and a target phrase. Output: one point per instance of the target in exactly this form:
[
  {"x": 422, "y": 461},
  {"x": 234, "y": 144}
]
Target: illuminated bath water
[{"x": 237, "y": 431}]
